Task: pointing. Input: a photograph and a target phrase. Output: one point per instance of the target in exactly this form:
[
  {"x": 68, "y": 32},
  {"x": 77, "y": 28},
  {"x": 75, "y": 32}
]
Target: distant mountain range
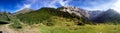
[
  {"x": 108, "y": 16},
  {"x": 95, "y": 16}
]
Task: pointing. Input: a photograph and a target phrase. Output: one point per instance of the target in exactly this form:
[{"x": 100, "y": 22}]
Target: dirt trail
[
  {"x": 6, "y": 29},
  {"x": 26, "y": 28}
]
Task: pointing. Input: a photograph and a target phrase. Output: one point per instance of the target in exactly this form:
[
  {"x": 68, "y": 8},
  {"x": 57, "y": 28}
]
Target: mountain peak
[
  {"x": 109, "y": 15},
  {"x": 25, "y": 10},
  {"x": 69, "y": 9},
  {"x": 111, "y": 10},
  {"x": 75, "y": 11}
]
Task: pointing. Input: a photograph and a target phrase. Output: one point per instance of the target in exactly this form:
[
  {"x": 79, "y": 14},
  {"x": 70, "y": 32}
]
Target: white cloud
[
  {"x": 104, "y": 6},
  {"x": 116, "y": 6},
  {"x": 27, "y": 6},
  {"x": 45, "y": 3},
  {"x": 64, "y": 3},
  {"x": 23, "y": 7},
  {"x": 52, "y": 3}
]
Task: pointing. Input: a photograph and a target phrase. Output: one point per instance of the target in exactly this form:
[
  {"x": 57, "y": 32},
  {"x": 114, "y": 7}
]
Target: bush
[{"x": 16, "y": 26}]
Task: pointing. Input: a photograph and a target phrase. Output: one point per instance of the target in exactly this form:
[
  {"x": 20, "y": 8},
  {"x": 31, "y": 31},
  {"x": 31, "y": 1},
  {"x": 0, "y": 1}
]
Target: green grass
[
  {"x": 103, "y": 28},
  {"x": 15, "y": 23},
  {"x": 48, "y": 16},
  {"x": 4, "y": 17},
  {"x": 54, "y": 21}
]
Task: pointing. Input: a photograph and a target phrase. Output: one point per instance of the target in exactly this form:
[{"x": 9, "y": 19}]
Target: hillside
[
  {"x": 94, "y": 14},
  {"x": 4, "y": 17},
  {"x": 25, "y": 10},
  {"x": 51, "y": 16},
  {"x": 108, "y": 16}
]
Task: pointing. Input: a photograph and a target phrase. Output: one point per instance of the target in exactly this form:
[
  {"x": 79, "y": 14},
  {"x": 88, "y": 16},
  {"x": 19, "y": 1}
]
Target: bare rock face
[
  {"x": 76, "y": 11},
  {"x": 81, "y": 13}
]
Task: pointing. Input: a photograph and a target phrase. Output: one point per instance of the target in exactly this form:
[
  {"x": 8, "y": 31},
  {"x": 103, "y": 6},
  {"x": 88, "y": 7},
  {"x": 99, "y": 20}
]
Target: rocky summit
[{"x": 74, "y": 10}]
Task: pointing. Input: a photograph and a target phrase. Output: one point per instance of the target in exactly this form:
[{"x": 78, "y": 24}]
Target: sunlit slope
[{"x": 50, "y": 16}]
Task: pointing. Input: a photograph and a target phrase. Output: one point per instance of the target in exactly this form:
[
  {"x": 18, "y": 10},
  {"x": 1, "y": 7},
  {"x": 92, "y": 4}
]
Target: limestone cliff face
[{"x": 76, "y": 11}]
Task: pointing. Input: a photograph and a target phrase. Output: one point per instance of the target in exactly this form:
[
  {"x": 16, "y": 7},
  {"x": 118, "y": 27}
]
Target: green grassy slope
[
  {"x": 49, "y": 16},
  {"x": 102, "y": 28},
  {"x": 63, "y": 22},
  {"x": 4, "y": 17}
]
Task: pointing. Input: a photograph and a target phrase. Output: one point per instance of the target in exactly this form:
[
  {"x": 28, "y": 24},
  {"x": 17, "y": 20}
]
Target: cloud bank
[
  {"x": 86, "y": 4},
  {"x": 116, "y": 6},
  {"x": 37, "y": 4},
  {"x": 27, "y": 4}
]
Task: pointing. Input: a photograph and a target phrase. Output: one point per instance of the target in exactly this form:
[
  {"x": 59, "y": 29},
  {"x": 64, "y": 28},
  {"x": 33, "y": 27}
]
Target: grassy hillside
[
  {"x": 50, "y": 16},
  {"x": 102, "y": 28},
  {"x": 50, "y": 20},
  {"x": 4, "y": 17}
]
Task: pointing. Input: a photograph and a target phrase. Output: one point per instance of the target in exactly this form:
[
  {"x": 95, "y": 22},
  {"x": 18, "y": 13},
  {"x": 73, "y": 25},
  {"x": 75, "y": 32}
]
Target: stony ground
[
  {"x": 26, "y": 29},
  {"x": 7, "y": 29}
]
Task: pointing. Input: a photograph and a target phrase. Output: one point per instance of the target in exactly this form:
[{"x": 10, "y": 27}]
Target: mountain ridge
[
  {"x": 25, "y": 10},
  {"x": 69, "y": 12},
  {"x": 108, "y": 16},
  {"x": 47, "y": 14}
]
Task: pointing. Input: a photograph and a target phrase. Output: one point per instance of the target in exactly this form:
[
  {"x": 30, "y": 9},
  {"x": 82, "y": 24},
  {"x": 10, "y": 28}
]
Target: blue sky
[{"x": 17, "y": 5}]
